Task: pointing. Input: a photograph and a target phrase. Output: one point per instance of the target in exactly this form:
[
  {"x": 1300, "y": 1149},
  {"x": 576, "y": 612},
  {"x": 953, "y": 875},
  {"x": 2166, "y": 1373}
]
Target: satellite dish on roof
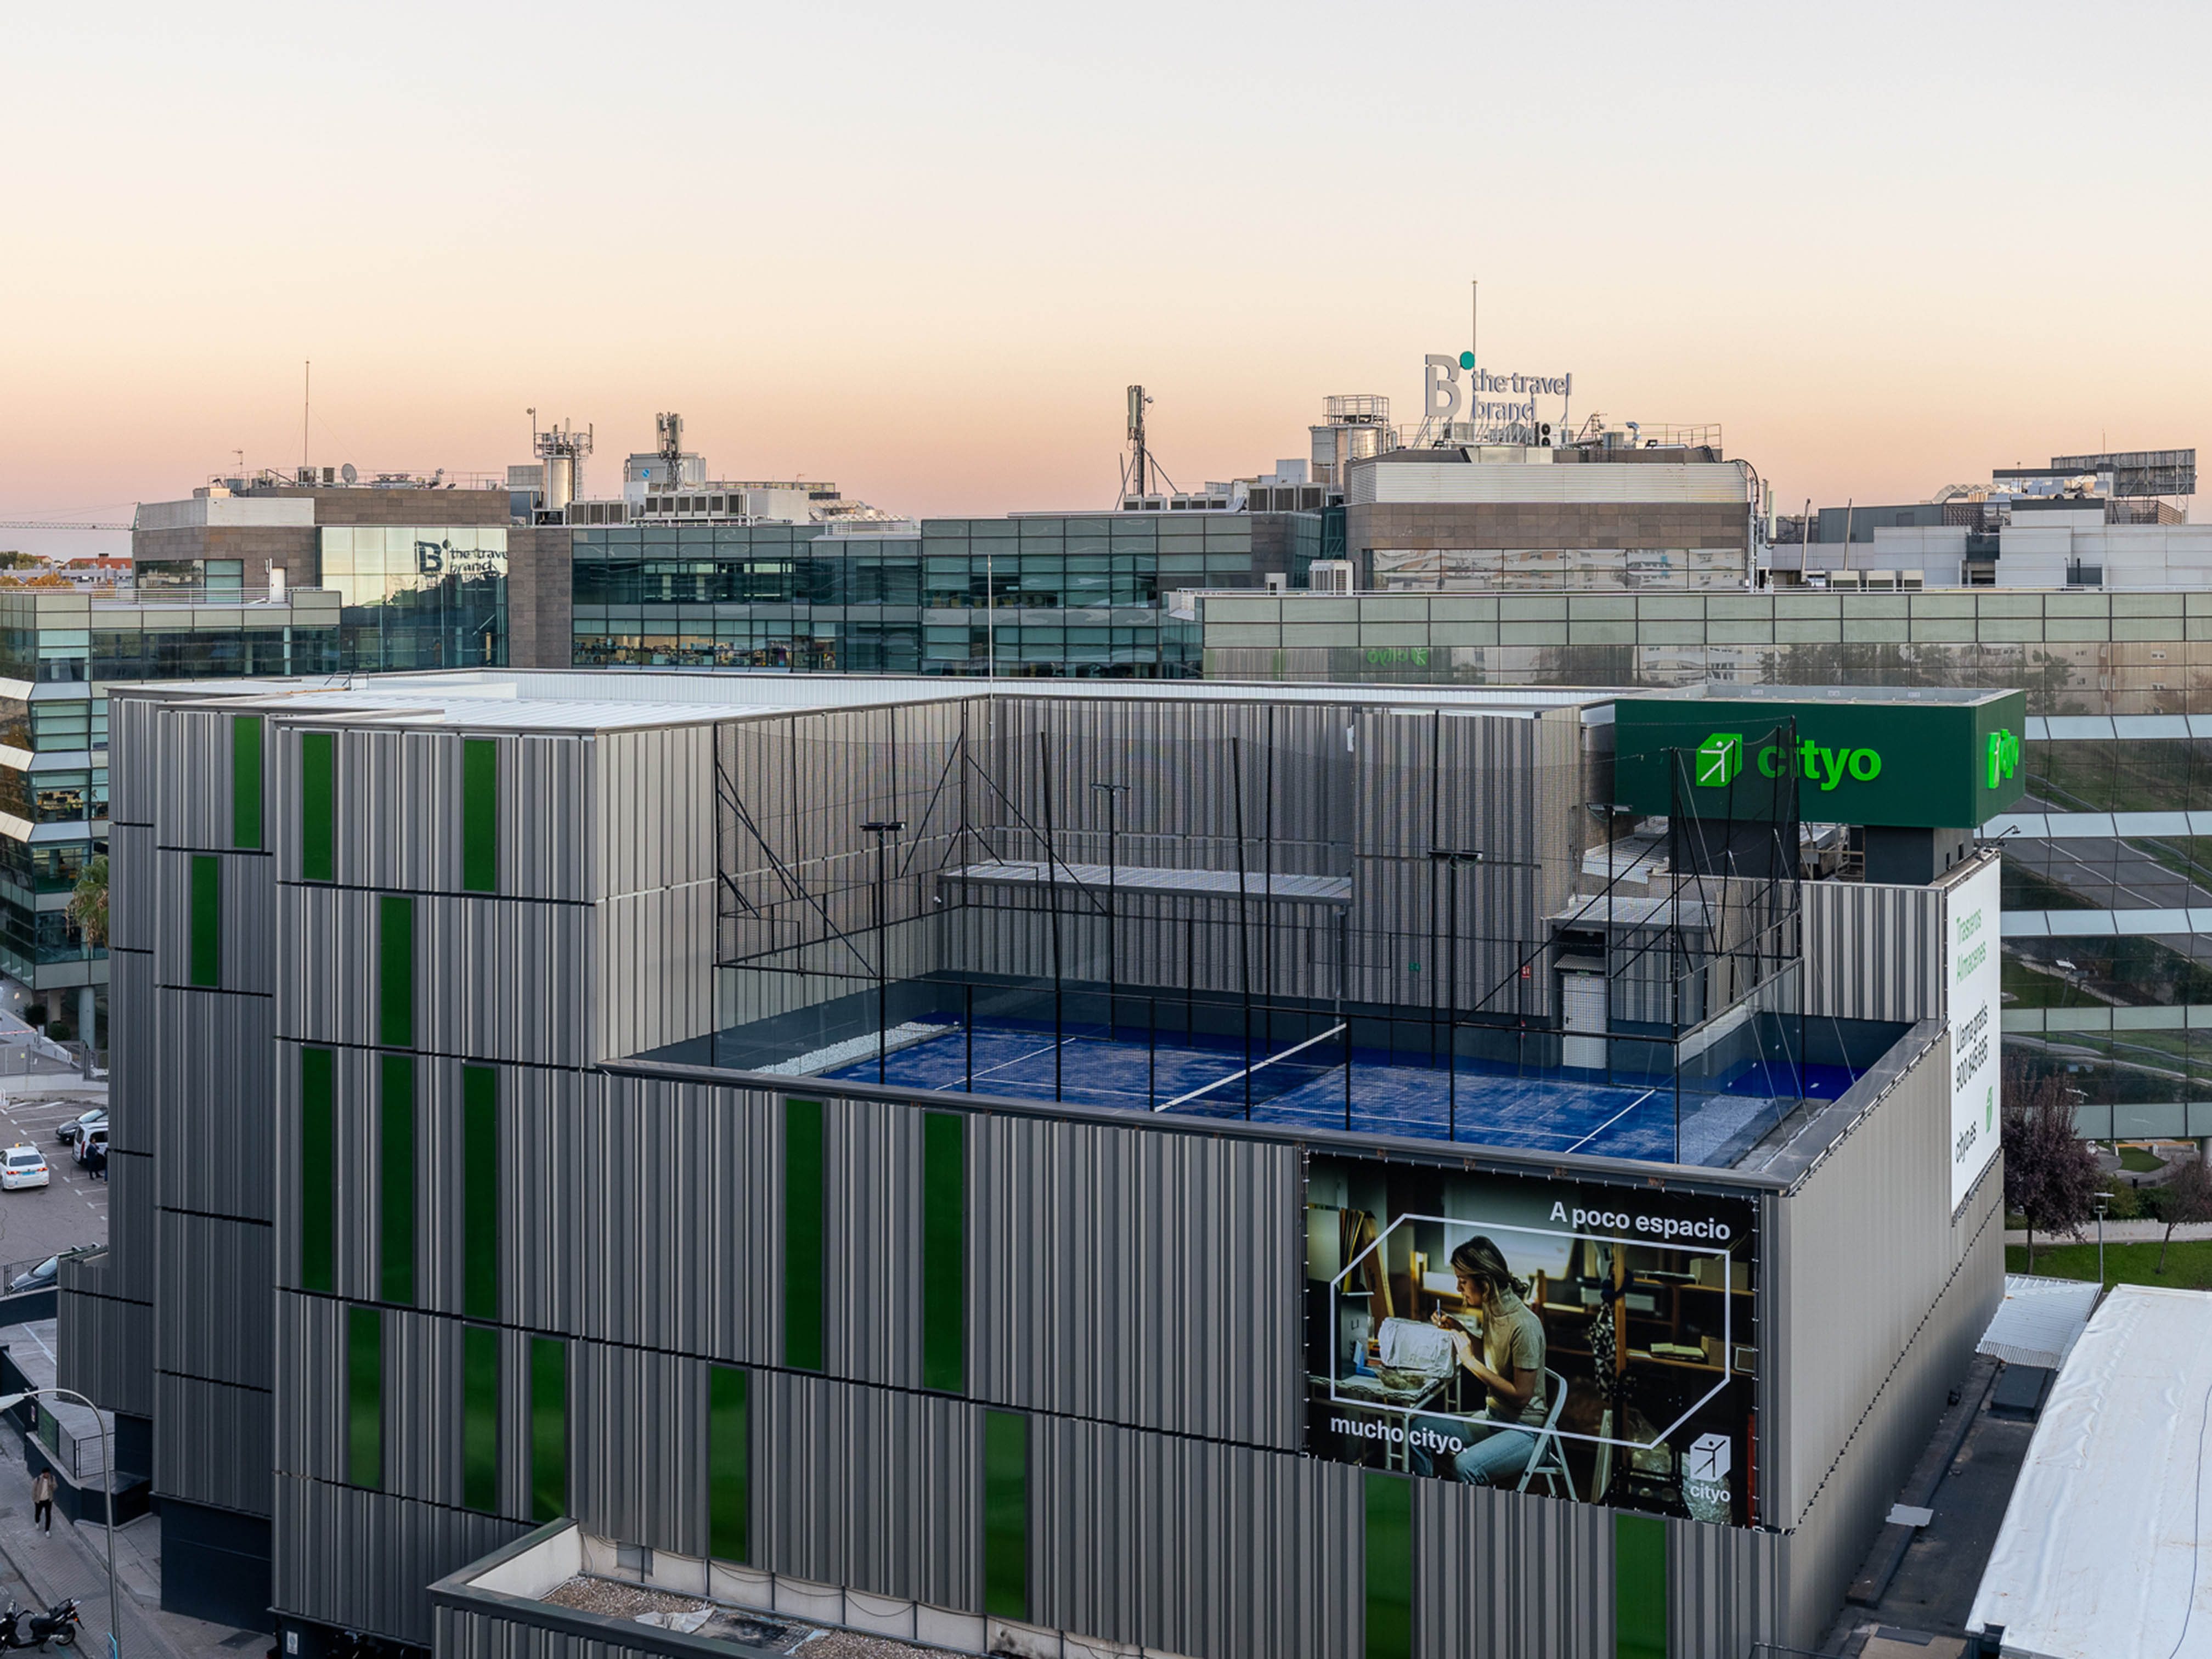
[{"x": 348, "y": 474}]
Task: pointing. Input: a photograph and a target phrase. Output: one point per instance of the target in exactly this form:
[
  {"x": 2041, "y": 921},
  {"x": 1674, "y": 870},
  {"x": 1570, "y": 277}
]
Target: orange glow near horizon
[{"x": 922, "y": 254}]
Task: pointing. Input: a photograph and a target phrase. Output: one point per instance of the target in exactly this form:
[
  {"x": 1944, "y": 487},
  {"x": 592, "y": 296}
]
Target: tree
[
  {"x": 2184, "y": 1199},
  {"x": 87, "y": 905},
  {"x": 2050, "y": 1175}
]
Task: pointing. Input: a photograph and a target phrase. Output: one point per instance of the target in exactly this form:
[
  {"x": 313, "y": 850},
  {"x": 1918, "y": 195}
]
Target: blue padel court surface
[{"x": 1556, "y": 1112}]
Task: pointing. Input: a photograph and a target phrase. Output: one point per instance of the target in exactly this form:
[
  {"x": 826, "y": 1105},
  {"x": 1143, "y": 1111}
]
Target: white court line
[
  {"x": 1614, "y": 1119},
  {"x": 1221, "y": 1082}
]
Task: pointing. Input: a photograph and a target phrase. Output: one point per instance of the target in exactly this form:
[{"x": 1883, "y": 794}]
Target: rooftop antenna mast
[
  {"x": 668, "y": 430},
  {"x": 1139, "y": 470},
  {"x": 306, "y": 402}
]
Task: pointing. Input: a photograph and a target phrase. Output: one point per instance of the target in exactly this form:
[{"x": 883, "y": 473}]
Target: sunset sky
[{"x": 921, "y": 250}]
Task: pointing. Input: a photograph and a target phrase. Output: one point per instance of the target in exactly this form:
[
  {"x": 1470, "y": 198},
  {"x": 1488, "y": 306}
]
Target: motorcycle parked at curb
[{"x": 59, "y": 1625}]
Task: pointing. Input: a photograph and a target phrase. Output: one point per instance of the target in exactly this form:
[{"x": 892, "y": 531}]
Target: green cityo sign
[{"x": 1943, "y": 759}]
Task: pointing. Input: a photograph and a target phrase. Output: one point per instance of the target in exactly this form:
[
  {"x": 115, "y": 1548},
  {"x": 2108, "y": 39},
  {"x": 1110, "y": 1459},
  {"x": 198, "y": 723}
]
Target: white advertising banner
[{"x": 1973, "y": 974}]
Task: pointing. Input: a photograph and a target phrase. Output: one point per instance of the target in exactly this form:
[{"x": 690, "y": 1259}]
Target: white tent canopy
[{"x": 2103, "y": 1554}]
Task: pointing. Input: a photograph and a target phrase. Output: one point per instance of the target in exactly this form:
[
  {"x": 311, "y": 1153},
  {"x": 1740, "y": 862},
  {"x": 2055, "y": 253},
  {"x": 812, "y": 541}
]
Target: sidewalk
[
  {"x": 2117, "y": 1232},
  {"x": 41, "y": 1567}
]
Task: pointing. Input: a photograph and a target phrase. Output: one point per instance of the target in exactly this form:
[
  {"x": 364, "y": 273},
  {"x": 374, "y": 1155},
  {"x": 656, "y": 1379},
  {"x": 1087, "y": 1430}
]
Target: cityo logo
[
  {"x": 1705, "y": 1474},
  {"x": 2003, "y": 755},
  {"x": 1720, "y": 759},
  {"x": 1712, "y": 1457}
]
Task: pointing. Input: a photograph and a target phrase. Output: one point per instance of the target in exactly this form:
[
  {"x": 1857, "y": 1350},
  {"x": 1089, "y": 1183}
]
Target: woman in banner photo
[{"x": 1510, "y": 1365}]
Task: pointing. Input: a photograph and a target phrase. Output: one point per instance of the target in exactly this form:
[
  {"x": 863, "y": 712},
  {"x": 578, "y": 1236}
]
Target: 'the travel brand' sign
[{"x": 1946, "y": 761}]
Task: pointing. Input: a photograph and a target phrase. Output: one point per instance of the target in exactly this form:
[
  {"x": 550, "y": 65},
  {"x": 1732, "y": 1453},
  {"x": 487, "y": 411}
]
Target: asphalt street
[{"x": 35, "y": 1221}]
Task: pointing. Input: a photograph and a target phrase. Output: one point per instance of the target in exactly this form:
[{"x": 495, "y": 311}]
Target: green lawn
[
  {"x": 2188, "y": 1263},
  {"x": 2142, "y": 1163}
]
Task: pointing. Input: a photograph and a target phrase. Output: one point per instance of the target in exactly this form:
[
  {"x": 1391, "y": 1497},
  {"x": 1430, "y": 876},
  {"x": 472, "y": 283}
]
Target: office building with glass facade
[
  {"x": 60, "y": 650},
  {"x": 2107, "y": 862},
  {"x": 426, "y": 577},
  {"x": 1081, "y": 595}
]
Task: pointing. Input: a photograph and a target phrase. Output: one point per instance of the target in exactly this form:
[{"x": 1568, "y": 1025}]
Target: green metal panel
[
  {"x": 207, "y": 920},
  {"x": 803, "y": 1201},
  {"x": 365, "y": 1398},
  {"x": 480, "y": 1191},
  {"x": 317, "y": 790},
  {"x": 1006, "y": 1514},
  {"x": 319, "y": 1191},
  {"x": 943, "y": 1251},
  {"x": 480, "y": 1418},
  {"x": 1942, "y": 762},
  {"x": 548, "y": 1428},
  {"x": 396, "y": 1165},
  {"x": 1389, "y": 1552},
  {"x": 729, "y": 1463},
  {"x": 396, "y": 975},
  {"x": 479, "y": 814},
  {"x": 245, "y": 781},
  {"x": 1639, "y": 1586}
]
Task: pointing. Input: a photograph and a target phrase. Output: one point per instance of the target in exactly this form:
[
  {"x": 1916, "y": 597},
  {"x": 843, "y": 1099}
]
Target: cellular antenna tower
[
  {"x": 668, "y": 434},
  {"x": 1138, "y": 469}
]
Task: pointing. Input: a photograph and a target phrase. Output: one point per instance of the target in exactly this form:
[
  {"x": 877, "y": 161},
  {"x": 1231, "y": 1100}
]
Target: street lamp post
[
  {"x": 879, "y": 828},
  {"x": 9, "y": 1402},
  {"x": 1113, "y": 791}
]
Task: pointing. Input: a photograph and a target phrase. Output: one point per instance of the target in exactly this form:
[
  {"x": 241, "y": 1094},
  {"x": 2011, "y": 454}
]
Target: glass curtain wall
[
  {"x": 418, "y": 597},
  {"x": 1043, "y": 596},
  {"x": 2108, "y": 861}
]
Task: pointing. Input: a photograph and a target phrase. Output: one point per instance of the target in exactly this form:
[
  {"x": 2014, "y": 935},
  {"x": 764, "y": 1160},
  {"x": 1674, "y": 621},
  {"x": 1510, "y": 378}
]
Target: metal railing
[
  {"x": 194, "y": 593},
  {"x": 37, "y": 1058},
  {"x": 80, "y": 1455}
]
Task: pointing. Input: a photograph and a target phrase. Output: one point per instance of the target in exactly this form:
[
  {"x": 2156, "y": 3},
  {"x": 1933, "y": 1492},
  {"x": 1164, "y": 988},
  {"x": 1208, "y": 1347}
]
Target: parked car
[
  {"x": 43, "y": 1275},
  {"x": 38, "y": 1278},
  {"x": 67, "y": 1132},
  {"x": 23, "y": 1166},
  {"x": 88, "y": 1138}
]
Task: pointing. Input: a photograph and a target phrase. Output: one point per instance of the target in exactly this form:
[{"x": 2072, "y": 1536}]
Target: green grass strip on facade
[
  {"x": 805, "y": 1313},
  {"x": 943, "y": 1251},
  {"x": 365, "y": 1398},
  {"x": 729, "y": 1463},
  {"x": 395, "y": 998},
  {"x": 479, "y": 814},
  {"x": 206, "y": 951},
  {"x": 246, "y": 782},
  {"x": 395, "y": 1170},
  {"x": 1387, "y": 1500},
  {"x": 1007, "y": 1516},
  {"x": 1639, "y": 1586},
  {"x": 480, "y": 1191},
  {"x": 318, "y": 814},
  {"x": 318, "y": 1189}
]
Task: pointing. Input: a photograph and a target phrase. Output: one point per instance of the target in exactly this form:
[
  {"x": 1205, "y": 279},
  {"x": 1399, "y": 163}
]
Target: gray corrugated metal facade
[{"x": 1131, "y": 1289}]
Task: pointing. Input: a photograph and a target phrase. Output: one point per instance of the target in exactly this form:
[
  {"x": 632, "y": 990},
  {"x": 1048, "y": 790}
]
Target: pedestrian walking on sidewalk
[{"x": 42, "y": 1499}]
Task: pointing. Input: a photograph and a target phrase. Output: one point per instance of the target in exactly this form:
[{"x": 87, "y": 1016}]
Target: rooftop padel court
[{"x": 1305, "y": 1086}]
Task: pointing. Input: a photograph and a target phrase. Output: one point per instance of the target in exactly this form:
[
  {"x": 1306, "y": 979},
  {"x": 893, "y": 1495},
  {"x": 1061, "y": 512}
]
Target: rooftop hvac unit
[{"x": 1329, "y": 576}]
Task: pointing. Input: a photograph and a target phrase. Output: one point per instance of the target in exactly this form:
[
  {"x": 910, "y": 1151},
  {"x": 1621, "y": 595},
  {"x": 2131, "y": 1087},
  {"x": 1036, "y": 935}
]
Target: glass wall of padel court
[{"x": 1412, "y": 922}]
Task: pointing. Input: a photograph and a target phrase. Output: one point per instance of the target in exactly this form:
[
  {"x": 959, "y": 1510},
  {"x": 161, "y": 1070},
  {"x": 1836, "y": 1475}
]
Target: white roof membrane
[{"x": 2104, "y": 1550}]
